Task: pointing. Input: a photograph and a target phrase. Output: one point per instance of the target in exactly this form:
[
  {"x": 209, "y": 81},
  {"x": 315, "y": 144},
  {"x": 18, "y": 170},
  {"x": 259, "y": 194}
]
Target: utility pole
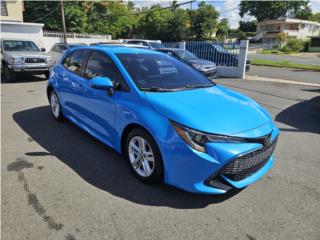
[{"x": 63, "y": 23}]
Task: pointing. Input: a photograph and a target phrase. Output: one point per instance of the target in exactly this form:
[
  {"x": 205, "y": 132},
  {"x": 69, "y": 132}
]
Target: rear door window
[
  {"x": 77, "y": 61},
  {"x": 99, "y": 64}
]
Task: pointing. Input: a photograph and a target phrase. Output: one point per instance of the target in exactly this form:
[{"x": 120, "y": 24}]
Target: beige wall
[{"x": 15, "y": 11}]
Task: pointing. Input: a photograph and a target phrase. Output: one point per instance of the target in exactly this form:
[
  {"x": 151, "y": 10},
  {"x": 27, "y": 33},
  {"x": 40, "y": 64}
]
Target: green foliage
[
  {"x": 264, "y": 10},
  {"x": 293, "y": 45},
  {"x": 248, "y": 26},
  {"x": 204, "y": 21},
  {"x": 223, "y": 26},
  {"x": 286, "y": 64},
  {"x": 316, "y": 17},
  {"x": 122, "y": 20}
]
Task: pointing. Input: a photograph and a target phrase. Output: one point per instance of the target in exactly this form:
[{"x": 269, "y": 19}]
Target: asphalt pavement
[
  {"x": 60, "y": 183},
  {"x": 279, "y": 58},
  {"x": 285, "y": 73}
]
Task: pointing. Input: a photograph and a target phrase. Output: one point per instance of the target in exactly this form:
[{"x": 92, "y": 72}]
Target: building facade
[
  {"x": 268, "y": 30},
  {"x": 12, "y": 10}
]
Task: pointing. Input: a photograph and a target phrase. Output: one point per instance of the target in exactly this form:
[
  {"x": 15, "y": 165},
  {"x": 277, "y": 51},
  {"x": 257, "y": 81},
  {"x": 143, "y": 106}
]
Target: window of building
[{"x": 4, "y": 10}]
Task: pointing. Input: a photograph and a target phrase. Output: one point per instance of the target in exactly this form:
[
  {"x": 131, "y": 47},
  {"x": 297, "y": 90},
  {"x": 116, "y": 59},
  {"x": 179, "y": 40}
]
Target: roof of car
[
  {"x": 169, "y": 49},
  {"x": 120, "y": 49}
]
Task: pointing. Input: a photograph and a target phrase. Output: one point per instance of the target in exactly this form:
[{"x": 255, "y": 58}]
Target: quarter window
[{"x": 77, "y": 61}]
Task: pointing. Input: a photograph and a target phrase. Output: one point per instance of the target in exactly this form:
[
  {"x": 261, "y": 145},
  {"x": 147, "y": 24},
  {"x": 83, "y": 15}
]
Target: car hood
[
  {"x": 17, "y": 54},
  {"x": 213, "y": 110},
  {"x": 201, "y": 62}
]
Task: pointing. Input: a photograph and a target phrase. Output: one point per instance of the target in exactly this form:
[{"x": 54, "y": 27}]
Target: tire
[
  {"x": 8, "y": 74},
  {"x": 139, "y": 168},
  {"x": 47, "y": 74},
  {"x": 55, "y": 106}
]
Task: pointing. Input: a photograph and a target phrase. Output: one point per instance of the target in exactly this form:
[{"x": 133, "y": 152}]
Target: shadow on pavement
[
  {"x": 101, "y": 166},
  {"x": 22, "y": 78},
  {"x": 304, "y": 116}
]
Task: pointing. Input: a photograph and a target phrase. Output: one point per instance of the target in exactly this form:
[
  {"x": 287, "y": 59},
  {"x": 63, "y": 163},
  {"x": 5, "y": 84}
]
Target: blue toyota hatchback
[{"x": 171, "y": 123}]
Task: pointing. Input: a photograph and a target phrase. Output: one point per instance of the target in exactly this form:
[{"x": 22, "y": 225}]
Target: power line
[
  {"x": 46, "y": 15},
  {"x": 155, "y": 10}
]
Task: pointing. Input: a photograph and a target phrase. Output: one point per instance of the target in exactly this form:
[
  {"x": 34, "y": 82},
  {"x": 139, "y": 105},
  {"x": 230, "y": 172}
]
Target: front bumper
[
  {"x": 33, "y": 68},
  {"x": 199, "y": 172},
  {"x": 209, "y": 73}
]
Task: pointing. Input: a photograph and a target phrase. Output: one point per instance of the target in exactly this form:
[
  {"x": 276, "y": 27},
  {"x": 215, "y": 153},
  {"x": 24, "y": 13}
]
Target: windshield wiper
[
  {"x": 199, "y": 86},
  {"x": 156, "y": 89}
]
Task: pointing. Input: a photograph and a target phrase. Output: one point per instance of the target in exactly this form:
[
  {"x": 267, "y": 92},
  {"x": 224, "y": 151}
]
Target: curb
[{"x": 264, "y": 79}]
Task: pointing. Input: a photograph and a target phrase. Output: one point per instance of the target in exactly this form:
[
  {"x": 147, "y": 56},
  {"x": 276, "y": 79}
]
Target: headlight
[
  {"x": 197, "y": 140},
  {"x": 196, "y": 65},
  {"x": 16, "y": 60},
  {"x": 50, "y": 60}
]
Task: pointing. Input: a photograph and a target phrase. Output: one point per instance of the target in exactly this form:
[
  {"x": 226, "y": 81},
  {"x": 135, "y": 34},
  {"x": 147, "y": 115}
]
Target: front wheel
[
  {"x": 144, "y": 156},
  {"x": 8, "y": 74},
  {"x": 55, "y": 106},
  {"x": 47, "y": 74}
]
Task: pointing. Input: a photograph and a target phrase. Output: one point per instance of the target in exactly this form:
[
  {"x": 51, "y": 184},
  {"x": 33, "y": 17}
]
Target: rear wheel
[
  {"x": 144, "y": 156},
  {"x": 55, "y": 106}
]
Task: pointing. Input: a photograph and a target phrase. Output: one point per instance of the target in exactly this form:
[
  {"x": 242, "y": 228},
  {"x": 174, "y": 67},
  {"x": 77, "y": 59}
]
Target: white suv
[{"x": 152, "y": 44}]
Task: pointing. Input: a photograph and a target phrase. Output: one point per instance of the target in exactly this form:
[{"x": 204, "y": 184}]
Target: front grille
[
  {"x": 34, "y": 60},
  {"x": 248, "y": 164}
]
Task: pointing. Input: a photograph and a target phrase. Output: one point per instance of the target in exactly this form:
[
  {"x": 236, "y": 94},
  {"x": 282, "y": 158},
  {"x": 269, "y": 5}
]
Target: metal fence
[
  {"x": 223, "y": 54},
  {"x": 75, "y": 35}
]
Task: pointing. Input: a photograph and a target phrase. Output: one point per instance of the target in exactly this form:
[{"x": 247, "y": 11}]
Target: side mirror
[
  {"x": 43, "y": 49},
  {"x": 102, "y": 83}
]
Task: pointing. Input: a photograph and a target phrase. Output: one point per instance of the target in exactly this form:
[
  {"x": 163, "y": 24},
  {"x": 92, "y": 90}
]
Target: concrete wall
[
  {"x": 48, "y": 42},
  {"x": 15, "y": 11}
]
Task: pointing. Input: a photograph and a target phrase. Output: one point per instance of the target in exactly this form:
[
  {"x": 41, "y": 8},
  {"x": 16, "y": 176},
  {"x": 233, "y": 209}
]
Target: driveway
[
  {"x": 296, "y": 59},
  {"x": 60, "y": 183}
]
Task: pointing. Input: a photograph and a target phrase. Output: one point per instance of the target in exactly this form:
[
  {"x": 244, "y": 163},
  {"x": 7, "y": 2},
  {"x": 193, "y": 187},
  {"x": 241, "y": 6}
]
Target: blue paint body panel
[{"x": 215, "y": 110}]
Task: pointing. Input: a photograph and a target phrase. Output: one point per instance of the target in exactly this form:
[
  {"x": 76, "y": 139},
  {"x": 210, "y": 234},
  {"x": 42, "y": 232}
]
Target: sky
[{"x": 228, "y": 9}]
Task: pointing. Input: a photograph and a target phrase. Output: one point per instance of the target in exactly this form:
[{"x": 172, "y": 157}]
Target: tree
[
  {"x": 248, "y": 26},
  {"x": 223, "y": 26},
  {"x": 264, "y": 10},
  {"x": 204, "y": 21},
  {"x": 316, "y": 17}
]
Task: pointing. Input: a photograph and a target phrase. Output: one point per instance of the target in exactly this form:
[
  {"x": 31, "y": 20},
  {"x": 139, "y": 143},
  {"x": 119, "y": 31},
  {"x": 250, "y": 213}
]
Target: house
[
  {"x": 12, "y": 10},
  {"x": 267, "y": 31}
]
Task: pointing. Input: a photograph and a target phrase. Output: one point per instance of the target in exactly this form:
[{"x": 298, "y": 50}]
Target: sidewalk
[{"x": 276, "y": 80}]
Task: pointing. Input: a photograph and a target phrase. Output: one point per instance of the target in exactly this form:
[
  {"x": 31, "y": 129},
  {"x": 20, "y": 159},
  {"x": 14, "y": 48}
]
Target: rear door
[{"x": 72, "y": 83}]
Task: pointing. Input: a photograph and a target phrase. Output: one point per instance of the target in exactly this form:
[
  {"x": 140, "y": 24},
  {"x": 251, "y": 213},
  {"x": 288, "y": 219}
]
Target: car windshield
[
  {"x": 160, "y": 72},
  {"x": 186, "y": 55},
  {"x": 17, "y": 45},
  {"x": 156, "y": 45}
]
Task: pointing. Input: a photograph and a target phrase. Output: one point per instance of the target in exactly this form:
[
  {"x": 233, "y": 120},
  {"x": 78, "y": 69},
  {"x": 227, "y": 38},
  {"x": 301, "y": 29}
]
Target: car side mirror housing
[
  {"x": 102, "y": 83},
  {"x": 43, "y": 49}
]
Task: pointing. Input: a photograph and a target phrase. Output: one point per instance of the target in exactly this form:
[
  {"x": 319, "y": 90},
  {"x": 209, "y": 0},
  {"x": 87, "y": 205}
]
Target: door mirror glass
[
  {"x": 102, "y": 83},
  {"x": 43, "y": 49}
]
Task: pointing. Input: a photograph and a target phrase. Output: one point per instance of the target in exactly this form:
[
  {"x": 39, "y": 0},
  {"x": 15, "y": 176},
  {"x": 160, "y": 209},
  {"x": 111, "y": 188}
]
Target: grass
[
  {"x": 286, "y": 64},
  {"x": 273, "y": 51}
]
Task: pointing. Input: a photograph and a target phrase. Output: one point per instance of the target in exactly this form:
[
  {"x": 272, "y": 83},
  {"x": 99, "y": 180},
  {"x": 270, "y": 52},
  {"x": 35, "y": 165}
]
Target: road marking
[{"x": 276, "y": 80}]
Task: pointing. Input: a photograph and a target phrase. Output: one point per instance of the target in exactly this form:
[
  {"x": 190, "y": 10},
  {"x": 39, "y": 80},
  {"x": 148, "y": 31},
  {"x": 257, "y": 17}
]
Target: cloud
[{"x": 315, "y": 6}]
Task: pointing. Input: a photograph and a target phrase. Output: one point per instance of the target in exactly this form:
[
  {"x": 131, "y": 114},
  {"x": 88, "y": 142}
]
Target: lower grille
[
  {"x": 248, "y": 164},
  {"x": 34, "y": 60}
]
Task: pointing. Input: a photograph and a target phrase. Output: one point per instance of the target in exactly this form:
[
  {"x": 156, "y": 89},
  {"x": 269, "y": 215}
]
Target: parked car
[
  {"x": 117, "y": 44},
  {"x": 152, "y": 44},
  {"x": 216, "y": 53},
  {"x": 23, "y": 56},
  {"x": 206, "y": 67},
  {"x": 171, "y": 122},
  {"x": 58, "y": 49}
]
